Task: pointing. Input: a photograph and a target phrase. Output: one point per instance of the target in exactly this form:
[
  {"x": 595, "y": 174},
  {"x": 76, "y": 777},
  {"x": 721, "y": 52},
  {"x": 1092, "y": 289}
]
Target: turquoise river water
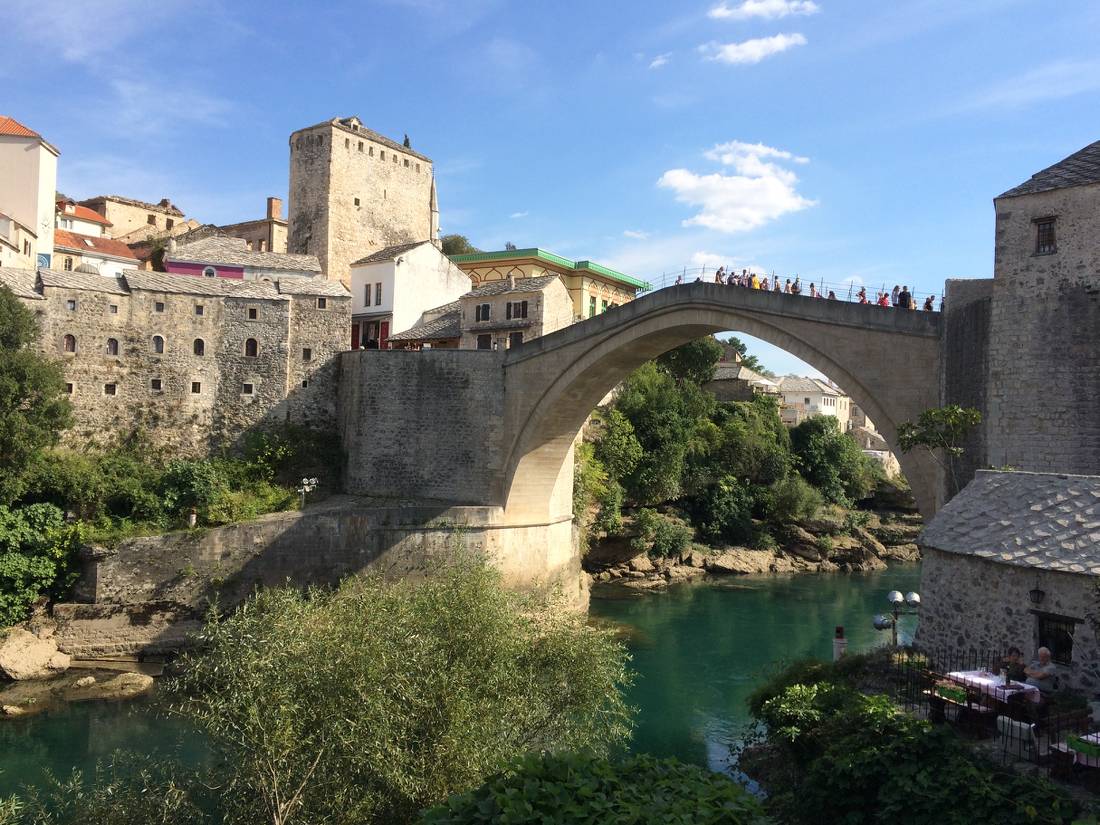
[{"x": 698, "y": 650}]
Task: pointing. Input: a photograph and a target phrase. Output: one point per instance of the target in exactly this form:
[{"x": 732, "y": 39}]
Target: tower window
[
  {"x": 151, "y": 220},
  {"x": 199, "y": 347},
  {"x": 371, "y": 152},
  {"x": 307, "y": 354},
  {"x": 70, "y": 305},
  {"x": 251, "y": 348},
  {"x": 347, "y": 143},
  {"x": 69, "y": 343},
  {"x": 406, "y": 163},
  {"x": 113, "y": 309},
  {"x": 322, "y": 303},
  {"x": 209, "y": 272},
  {"x": 196, "y": 387},
  {"x": 253, "y": 313},
  {"x": 168, "y": 223},
  {"x": 158, "y": 345},
  {"x": 154, "y": 384},
  {"x": 110, "y": 389},
  {"x": 199, "y": 309},
  {"x": 112, "y": 346},
  {"x": 246, "y": 389},
  {"x": 69, "y": 389},
  {"x": 1044, "y": 236},
  {"x": 360, "y": 146},
  {"x": 357, "y": 201},
  {"x": 158, "y": 306},
  {"x": 382, "y": 154}
]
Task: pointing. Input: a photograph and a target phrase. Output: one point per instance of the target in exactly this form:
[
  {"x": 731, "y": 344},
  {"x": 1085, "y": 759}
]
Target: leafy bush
[
  {"x": 724, "y": 512},
  {"x": 617, "y": 447},
  {"x": 37, "y": 558},
  {"x": 609, "y": 518},
  {"x": 290, "y": 452},
  {"x": 382, "y": 698},
  {"x": 831, "y": 460},
  {"x": 659, "y": 535},
  {"x": 583, "y": 790},
  {"x": 243, "y": 505},
  {"x": 186, "y": 484},
  {"x": 792, "y": 499}
]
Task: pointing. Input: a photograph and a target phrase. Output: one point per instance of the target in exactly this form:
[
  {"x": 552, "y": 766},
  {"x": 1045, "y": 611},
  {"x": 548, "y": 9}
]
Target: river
[{"x": 699, "y": 650}]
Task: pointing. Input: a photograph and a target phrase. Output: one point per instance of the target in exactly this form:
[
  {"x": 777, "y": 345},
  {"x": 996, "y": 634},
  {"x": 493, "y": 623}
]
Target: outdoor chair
[{"x": 1021, "y": 739}]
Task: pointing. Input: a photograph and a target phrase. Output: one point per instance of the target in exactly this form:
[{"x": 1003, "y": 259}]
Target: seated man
[
  {"x": 1042, "y": 671},
  {"x": 1013, "y": 662}
]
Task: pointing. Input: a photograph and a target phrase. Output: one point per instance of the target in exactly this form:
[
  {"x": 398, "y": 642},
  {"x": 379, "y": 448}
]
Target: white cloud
[
  {"x": 751, "y": 51},
  {"x": 635, "y": 234},
  {"x": 660, "y": 60},
  {"x": 1050, "y": 81},
  {"x": 515, "y": 215},
  {"x": 765, "y": 9},
  {"x": 139, "y": 108},
  {"x": 759, "y": 190}
]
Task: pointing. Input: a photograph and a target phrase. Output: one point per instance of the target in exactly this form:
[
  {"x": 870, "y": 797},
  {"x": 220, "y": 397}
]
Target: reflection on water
[{"x": 700, "y": 649}]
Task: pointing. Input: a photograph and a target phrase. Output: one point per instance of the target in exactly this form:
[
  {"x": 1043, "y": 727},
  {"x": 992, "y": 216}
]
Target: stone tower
[{"x": 354, "y": 192}]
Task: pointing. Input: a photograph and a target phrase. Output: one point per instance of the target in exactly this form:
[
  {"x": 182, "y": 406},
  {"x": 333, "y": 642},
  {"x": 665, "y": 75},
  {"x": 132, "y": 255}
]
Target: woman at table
[{"x": 1013, "y": 662}]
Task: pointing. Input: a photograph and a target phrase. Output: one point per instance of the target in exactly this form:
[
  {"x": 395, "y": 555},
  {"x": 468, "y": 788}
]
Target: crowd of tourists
[{"x": 900, "y": 297}]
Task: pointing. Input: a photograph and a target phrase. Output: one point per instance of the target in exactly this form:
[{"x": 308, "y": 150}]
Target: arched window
[
  {"x": 209, "y": 272},
  {"x": 158, "y": 345},
  {"x": 112, "y": 346},
  {"x": 200, "y": 347},
  {"x": 69, "y": 343},
  {"x": 68, "y": 264},
  {"x": 251, "y": 348}
]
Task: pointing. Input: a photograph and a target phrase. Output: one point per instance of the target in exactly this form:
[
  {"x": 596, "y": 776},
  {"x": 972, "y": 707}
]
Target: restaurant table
[
  {"x": 993, "y": 685},
  {"x": 1091, "y": 760}
]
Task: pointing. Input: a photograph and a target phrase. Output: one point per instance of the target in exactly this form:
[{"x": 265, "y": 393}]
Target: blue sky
[{"x": 835, "y": 139}]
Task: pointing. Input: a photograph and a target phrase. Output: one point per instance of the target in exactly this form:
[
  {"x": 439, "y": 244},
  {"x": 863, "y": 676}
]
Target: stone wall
[
  {"x": 142, "y": 595},
  {"x": 1044, "y": 351},
  {"x": 331, "y": 167},
  {"x": 971, "y": 604},
  {"x": 423, "y": 424}
]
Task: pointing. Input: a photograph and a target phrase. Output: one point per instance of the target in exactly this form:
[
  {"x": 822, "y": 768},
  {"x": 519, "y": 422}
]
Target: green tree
[
  {"x": 723, "y": 513},
  {"x": 371, "y": 702},
  {"x": 747, "y": 358},
  {"x": 37, "y": 555},
  {"x": 617, "y": 446},
  {"x": 695, "y": 361},
  {"x": 753, "y": 446},
  {"x": 941, "y": 431},
  {"x": 831, "y": 461},
  {"x": 33, "y": 409},
  {"x": 457, "y": 245}
]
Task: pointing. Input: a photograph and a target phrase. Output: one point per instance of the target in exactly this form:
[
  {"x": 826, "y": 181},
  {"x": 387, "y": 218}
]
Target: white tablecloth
[{"x": 993, "y": 685}]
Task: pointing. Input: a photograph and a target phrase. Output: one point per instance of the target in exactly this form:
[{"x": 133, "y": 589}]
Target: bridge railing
[{"x": 841, "y": 290}]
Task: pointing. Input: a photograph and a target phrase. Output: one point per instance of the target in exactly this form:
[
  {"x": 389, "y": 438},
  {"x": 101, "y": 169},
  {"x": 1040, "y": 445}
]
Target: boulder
[
  {"x": 641, "y": 564},
  {"x": 24, "y": 656},
  {"x": 809, "y": 552},
  {"x": 84, "y": 681},
  {"x": 684, "y": 571},
  {"x": 740, "y": 561},
  {"x": 902, "y": 552},
  {"x": 869, "y": 542},
  {"x": 694, "y": 558},
  {"x": 121, "y": 686}
]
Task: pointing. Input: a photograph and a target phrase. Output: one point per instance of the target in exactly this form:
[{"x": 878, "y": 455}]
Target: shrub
[
  {"x": 243, "y": 505},
  {"x": 188, "y": 484},
  {"x": 724, "y": 511},
  {"x": 382, "y": 698},
  {"x": 37, "y": 558},
  {"x": 659, "y": 535},
  {"x": 792, "y": 499},
  {"x": 583, "y": 790},
  {"x": 609, "y": 518}
]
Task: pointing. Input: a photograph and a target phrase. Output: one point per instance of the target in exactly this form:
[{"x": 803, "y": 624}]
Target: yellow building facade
[{"x": 592, "y": 288}]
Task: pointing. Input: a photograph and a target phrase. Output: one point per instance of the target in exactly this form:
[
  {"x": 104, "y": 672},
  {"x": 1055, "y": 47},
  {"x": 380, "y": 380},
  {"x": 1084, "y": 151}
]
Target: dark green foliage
[
  {"x": 583, "y": 790},
  {"x": 791, "y": 500},
  {"x": 723, "y": 513},
  {"x": 457, "y": 245},
  {"x": 659, "y": 535},
  {"x": 747, "y": 358},
  {"x": 191, "y": 484},
  {"x": 290, "y": 452},
  {"x": 753, "y": 445},
  {"x": 618, "y": 447},
  {"x": 37, "y": 557},
  {"x": 33, "y": 408},
  {"x": 695, "y": 361},
  {"x": 831, "y": 461},
  {"x": 941, "y": 431}
]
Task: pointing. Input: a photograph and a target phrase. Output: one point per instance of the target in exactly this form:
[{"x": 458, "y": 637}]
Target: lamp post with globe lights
[{"x": 884, "y": 621}]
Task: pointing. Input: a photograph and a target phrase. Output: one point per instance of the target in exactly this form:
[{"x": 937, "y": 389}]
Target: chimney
[
  {"x": 274, "y": 209},
  {"x": 511, "y": 282}
]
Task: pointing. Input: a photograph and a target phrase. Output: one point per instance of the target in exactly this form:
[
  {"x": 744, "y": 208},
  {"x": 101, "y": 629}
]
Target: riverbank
[{"x": 829, "y": 543}]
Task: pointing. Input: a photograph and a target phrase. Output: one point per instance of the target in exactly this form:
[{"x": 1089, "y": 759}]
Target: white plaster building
[
  {"x": 392, "y": 289},
  {"x": 807, "y": 397},
  {"x": 28, "y": 186},
  {"x": 74, "y": 217},
  {"x": 17, "y": 244},
  {"x": 91, "y": 253}
]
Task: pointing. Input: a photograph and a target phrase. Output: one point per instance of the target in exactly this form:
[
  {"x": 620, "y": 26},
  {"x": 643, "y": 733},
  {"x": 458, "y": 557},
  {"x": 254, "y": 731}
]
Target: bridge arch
[{"x": 887, "y": 360}]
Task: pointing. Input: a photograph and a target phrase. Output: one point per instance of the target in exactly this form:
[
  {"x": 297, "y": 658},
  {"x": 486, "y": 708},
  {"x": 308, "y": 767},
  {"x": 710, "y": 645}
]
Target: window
[
  {"x": 251, "y": 348},
  {"x": 305, "y": 384},
  {"x": 70, "y": 305},
  {"x": 196, "y": 387},
  {"x": 151, "y": 220},
  {"x": 154, "y": 384},
  {"x": 485, "y": 342},
  {"x": 69, "y": 343},
  {"x": 168, "y": 223},
  {"x": 591, "y": 305},
  {"x": 69, "y": 389},
  {"x": 482, "y": 312},
  {"x": 360, "y": 146},
  {"x": 322, "y": 303},
  {"x": 515, "y": 339},
  {"x": 158, "y": 306},
  {"x": 253, "y": 313},
  {"x": 516, "y": 309},
  {"x": 307, "y": 354},
  {"x": 603, "y": 306},
  {"x": 199, "y": 347},
  {"x": 110, "y": 389},
  {"x": 246, "y": 389},
  {"x": 263, "y": 244},
  {"x": 113, "y": 309},
  {"x": 158, "y": 345},
  {"x": 418, "y": 168},
  {"x": 112, "y": 346},
  {"x": 209, "y": 272},
  {"x": 366, "y": 295},
  {"x": 395, "y": 158},
  {"x": 378, "y": 294},
  {"x": 199, "y": 309},
  {"x": 1056, "y": 633},
  {"x": 406, "y": 163},
  {"x": 356, "y": 201},
  {"x": 807, "y": 400},
  {"x": 372, "y": 152},
  {"x": 1044, "y": 236},
  {"x": 68, "y": 264},
  {"x": 382, "y": 154}
]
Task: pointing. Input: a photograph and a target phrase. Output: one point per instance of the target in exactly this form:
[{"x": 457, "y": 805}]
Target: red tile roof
[
  {"x": 88, "y": 245},
  {"x": 82, "y": 213},
  {"x": 11, "y": 126}
]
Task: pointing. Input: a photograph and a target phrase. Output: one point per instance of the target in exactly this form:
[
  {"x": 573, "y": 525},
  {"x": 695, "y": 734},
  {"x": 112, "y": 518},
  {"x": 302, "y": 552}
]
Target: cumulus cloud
[
  {"x": 751, "y": 51},
  {"x": 758, "y": 190},
  {"x": 636, "y": 234},
  {"x": 515, "y": 215},
  {"x": 765, "y": 9},
  {"x": 660, "y": 60}
]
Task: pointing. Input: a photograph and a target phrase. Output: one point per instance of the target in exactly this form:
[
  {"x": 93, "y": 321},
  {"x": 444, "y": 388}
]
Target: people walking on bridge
[
  {"x": 764, "y": 284},
  {"x": 796, "y": 287},
  {"x": 787, "y": 287},
  {"x": 832, "y": 295},
  {"x": 731, "y": 279},
  {"x": 813, "y": 290},
  {"x": 862, "y": 295},
  {"x": 679, "y": 280},
  {"x": 894, "y": 295},
  {"x": 755, "y": 284},
  {"x": 720, "y": 275},
  {"x": 698, "y": 279},
  {"x": 884, "y": 299},
  {"x": 775, "y": 284},
  {"x": 929, "y": 303},
  {"x": 905, "y": 299}
]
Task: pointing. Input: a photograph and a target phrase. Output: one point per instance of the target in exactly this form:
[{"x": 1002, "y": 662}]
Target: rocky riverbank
[{"x": 821, "y": 545}]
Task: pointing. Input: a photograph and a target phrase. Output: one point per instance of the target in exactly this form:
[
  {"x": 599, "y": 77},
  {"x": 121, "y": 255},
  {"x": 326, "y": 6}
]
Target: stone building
[
  {"x": 127, "y": 216},
  {"x": 193, "y": 361},
  {"x": 72, "y": 217},
  {"x": 90, "y": 253},
  {"x": 806, "y": 397},
  {"x": 268, "y": 234},
  {"x": 592, "y": 288},
  {"x": 1014, "y": 560},
  {"x": 733, "y": 381},
  {"x": 354, "y": 192},
  {"x": 28, "y": 187},
  {"x": 214, "y": 255},
  {"x": 504, "y": 314}
]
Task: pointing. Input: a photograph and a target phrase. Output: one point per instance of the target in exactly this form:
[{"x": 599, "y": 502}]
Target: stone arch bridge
[{"x": 496, "y": 429}]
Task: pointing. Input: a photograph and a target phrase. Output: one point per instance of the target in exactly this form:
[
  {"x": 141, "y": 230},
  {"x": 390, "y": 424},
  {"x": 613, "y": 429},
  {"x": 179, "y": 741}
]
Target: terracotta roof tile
[
  {"x": 81, "y": 213},
  {"x": 87, "y": 244},
  {"x": 11, "y": 126}
]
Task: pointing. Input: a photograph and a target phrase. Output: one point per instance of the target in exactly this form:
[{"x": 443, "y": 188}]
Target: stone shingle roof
[
  {"x": 165, "y": 206},
  {"x": 345, "y": 124},
  {"x": 1037, "y": 520},
  {"x": 1079, "y": 169},
  {"x": 189, "y": 285},
  {"x": 220, "y": 249},
  {"x": 798, "y": 383},
  {"x": 389, "y": 253},
  {"x": 503, "y": 287},
  {"x": 312, "y": 286},
  {"x": 735, "y": 372},
  {"x": 21, "y": 282},
  {"x": 447, "y": 324},
  {"x": 81, "y": 280}
]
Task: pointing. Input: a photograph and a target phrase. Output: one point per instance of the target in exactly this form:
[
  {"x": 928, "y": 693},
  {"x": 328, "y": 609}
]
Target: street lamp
[{"x": 889, "y": 621}]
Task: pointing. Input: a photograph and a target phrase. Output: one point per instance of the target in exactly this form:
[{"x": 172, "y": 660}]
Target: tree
[
  {"x": 457, "y": 245},
  {"x": 831, "y": 461},
  {"x": 368, "y": 703},
  {"x": 508, "y": 245},
  {"x": 695, "y": 361},
  {"x": 33, "y": 409},
  {"x": 617, "y": 446},
  {"x": 941, "y": 431},
  {"x": 747, "y": 359}
]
